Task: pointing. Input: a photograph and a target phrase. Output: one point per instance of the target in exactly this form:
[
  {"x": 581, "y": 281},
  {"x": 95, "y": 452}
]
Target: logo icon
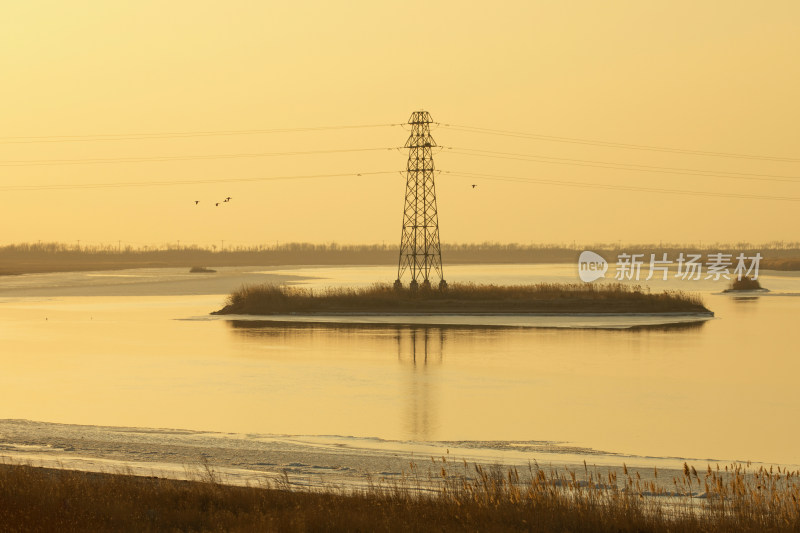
[{"x": 591, "y": 266}]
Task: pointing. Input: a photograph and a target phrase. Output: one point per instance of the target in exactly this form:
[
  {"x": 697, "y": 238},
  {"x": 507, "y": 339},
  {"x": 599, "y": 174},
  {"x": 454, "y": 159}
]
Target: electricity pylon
[{"x": 420, "y": 250}]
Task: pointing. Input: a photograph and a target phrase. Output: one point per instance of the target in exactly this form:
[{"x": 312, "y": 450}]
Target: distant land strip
[{"x": 60, "y": 257}]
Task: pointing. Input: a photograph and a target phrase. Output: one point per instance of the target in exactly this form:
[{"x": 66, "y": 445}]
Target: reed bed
[
  {"x": 459, "y": 497},
  {"x": 268, "y": 299}
]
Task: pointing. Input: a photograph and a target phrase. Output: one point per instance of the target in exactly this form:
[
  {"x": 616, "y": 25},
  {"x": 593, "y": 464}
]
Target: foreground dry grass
[
  {"x": 734, "y": 499},
  {"x": 461, "y": 298}
]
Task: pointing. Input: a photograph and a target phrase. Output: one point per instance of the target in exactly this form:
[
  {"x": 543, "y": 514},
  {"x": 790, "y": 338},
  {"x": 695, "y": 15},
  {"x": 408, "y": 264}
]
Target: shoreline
[
  {"x": 572, "y": 321},
  {"x": 459, "y": 499},
  {"x": 688, "y": 314},
  {"x": 441, "y": 492},
  {"x": 305, "y": 461}
]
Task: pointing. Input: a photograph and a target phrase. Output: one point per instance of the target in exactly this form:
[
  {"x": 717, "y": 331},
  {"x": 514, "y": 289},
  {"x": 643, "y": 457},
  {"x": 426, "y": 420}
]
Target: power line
[
  {"x": 169, "y": 135},
  {"x": 576, "y": 140},
  {"x": 45, "y": 162},
  {"x": 13, "y": 188},
  {"x": 621, "y": 166},
  {"x": 518, "y": 179}
]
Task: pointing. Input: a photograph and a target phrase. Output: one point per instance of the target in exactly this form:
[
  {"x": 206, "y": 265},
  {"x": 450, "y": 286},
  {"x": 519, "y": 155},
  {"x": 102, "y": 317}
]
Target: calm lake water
[{"x": 139, "y": 348}]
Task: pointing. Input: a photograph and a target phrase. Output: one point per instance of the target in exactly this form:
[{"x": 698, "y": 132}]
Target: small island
[
  {"x": 462, "y": 298},
  {"x": 201, "y": 270},
  {"x": 746, "y": 284}
]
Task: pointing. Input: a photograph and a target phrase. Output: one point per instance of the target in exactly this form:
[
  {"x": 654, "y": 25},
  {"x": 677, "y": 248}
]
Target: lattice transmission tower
[{"x": 420, "y": 250}]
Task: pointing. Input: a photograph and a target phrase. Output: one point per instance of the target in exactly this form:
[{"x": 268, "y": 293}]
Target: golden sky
[{"x": 714, "y": 76}]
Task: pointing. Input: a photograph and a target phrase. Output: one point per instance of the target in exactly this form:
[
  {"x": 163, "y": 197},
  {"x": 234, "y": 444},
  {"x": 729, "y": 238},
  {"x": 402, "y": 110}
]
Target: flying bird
[
  {"x": 228, "y": 199},
  {"x": 216, "y": 205},
  {"x": 473, "y": 185},
  {"x": 196, "y": 202}
]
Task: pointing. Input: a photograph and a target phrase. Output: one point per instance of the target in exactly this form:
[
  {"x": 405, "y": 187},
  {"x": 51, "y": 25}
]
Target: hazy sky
[{"x": 713, "y": 76}]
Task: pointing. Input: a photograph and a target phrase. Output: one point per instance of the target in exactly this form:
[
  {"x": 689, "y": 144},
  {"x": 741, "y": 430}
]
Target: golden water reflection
[{"x": 420, "y": 351}]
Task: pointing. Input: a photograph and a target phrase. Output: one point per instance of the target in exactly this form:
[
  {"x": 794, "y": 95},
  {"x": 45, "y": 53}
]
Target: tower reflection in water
[
  {"x": 419, "y": 351},
  {"x": 421, "y": 348}
]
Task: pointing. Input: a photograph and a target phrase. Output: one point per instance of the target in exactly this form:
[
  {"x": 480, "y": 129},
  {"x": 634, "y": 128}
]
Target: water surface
[{"x": 89, "y": 349}]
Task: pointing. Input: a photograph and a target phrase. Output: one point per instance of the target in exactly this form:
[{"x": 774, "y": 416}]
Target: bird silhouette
[
  {"x": 228, "y": 199},
  {"x": 216, "y": 205},
  {"x": 473, "y": 185},
  {"x": 196, "y": 202}
]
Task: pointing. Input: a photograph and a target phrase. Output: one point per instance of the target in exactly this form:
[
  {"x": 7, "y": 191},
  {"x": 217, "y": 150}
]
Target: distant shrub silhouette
[{"x": 745, "y": 284}]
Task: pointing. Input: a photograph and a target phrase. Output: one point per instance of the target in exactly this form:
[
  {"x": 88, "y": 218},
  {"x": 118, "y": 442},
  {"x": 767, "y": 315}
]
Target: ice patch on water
[{"x": 307, "y": 462}]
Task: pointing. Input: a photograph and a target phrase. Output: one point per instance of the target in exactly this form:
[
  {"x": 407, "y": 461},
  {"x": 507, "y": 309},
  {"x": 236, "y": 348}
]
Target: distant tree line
[{"x": 42, "y": 256}]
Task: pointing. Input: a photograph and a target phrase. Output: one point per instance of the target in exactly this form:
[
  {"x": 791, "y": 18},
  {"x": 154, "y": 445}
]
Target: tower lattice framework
[{"x": 420, "y": 250}]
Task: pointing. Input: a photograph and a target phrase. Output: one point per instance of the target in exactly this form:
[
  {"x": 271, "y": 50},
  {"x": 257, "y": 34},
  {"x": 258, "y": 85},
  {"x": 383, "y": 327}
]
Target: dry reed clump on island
[
  {"x": 461, "y": 298},
  {"x": 457, "y": 498},
  {"x": 745, "y": 284}
]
